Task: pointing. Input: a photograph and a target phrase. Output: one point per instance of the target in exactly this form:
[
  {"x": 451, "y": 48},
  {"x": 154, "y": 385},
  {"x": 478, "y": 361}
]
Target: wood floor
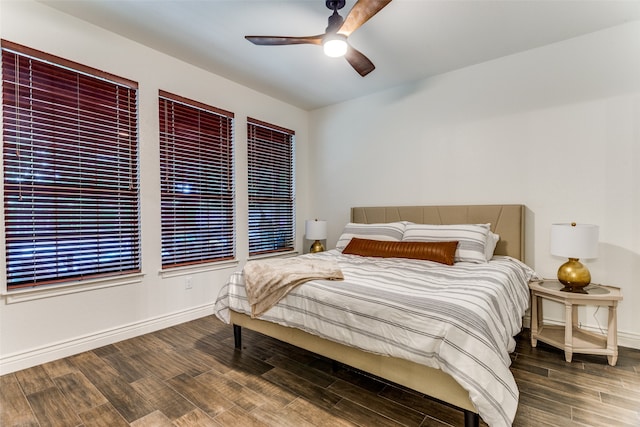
[{"x": 190, "y": 375}]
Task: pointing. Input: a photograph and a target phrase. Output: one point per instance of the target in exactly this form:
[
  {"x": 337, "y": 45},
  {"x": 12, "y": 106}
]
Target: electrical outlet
[{"x": 188, "y": 282}]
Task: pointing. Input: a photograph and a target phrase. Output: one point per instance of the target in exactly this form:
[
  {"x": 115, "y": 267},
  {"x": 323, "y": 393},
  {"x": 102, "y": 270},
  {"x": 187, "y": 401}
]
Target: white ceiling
[{"x": 408, "y": 40}]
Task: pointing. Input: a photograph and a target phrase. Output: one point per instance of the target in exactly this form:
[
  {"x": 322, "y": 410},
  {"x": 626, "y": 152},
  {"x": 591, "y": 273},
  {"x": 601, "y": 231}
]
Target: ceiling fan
[{"x": 335, "y": 37}]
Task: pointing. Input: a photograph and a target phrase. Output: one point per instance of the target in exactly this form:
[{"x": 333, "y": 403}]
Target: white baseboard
[
  {"x": 36, "y": 356},
  {"x": 625, "y": 339}
]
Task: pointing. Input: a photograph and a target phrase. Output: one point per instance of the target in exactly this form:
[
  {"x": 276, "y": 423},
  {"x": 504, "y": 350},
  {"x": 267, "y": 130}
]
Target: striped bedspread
[{"x": 460, "y": 319}]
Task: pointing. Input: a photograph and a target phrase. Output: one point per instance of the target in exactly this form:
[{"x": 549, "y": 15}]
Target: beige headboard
[{"x": 506, "y": 220}]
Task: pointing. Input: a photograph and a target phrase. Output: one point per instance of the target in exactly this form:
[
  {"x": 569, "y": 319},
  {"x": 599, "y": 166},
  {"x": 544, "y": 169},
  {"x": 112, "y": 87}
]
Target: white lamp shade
[
  {"x": 315, "y": 230},
  {"x": 572, "y": 240}
]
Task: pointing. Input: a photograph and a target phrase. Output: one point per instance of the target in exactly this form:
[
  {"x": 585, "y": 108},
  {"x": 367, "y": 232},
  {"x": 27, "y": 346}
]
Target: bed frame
[{"x": 506, "y": 220}]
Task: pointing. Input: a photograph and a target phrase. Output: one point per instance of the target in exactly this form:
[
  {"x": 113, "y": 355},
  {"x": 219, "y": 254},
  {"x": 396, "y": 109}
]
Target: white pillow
[
  {"x": 390, "y": 232},
  {"x": 472, "y": 238},
  {"x": 492, "y": 241}
]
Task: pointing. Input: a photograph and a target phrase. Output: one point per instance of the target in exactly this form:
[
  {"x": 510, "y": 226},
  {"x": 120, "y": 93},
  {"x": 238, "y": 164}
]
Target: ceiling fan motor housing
[
  {"x": 335, "y": 4},
  {"x": 335, "y": 22}
]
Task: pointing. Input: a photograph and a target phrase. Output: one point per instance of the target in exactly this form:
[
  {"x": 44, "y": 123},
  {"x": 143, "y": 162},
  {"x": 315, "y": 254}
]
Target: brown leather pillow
[{"x": 442, "y": 252}]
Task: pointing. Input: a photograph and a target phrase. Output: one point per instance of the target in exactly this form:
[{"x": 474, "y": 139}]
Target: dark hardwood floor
[{"x": 190, "y": 375}]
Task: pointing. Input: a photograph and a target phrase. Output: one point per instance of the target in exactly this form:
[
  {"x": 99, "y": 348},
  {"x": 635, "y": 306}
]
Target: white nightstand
[{"x": 570, "y": 337}]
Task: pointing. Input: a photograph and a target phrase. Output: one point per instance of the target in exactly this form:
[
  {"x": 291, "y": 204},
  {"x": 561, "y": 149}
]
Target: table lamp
[
  {"x": 574, "y": 241},
  {"x": 315, "y": 230}
]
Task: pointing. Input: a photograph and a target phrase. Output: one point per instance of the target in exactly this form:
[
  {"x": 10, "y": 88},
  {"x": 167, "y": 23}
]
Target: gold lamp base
[
  {"x": 574, "y": 276},
  {"x": 316, "y": 247}
]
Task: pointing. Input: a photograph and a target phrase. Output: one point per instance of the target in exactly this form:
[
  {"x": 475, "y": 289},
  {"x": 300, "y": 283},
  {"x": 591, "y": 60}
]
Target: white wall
[
  {"x": 555, "y": 128},
  {"x": 35, "y": 331}
]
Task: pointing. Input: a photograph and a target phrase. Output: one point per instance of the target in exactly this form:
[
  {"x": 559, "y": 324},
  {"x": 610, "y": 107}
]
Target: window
[
  {"x": 271, "y": 188},
  {"x": 197, "y": 182},
  {"x": 70, "y": 170}
]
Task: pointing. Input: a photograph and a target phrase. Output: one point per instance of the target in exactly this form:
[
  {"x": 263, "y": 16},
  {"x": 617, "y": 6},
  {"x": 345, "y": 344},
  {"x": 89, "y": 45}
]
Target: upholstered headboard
[{"x": 506, "y": 220}]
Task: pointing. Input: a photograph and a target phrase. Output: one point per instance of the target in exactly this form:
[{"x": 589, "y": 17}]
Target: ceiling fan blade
[
  {"x": 278, "y": 40},
  {"x": 359, "y": 62},
  {"x": 361, "y": 12}
]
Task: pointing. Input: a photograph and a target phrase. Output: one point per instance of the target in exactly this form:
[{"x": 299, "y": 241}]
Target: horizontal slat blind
[
  {"x": 197, "y": 182},
  {"x": 70, "y": 172},
  {"x": 271, "y": 188}
]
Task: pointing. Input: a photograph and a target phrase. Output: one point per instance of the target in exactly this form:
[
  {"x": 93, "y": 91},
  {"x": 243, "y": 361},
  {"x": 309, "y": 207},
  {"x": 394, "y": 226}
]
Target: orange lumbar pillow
[{"x": 442, "y": 252}]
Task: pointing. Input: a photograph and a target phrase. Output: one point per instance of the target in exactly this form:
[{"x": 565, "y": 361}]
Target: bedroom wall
[
  {"x": 555, "y": 128},
  {"x": 33, "y": 331}
]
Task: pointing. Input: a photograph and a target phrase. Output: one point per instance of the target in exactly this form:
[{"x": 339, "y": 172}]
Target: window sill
[
  {"x": 274, "y": 255},
  {"x": 35, "y": 293}
]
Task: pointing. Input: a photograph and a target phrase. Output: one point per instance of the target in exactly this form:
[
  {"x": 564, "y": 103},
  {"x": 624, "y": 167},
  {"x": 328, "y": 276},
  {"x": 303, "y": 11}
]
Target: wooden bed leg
[
  {"x": 471, "y": 419},
  {"x": 237, "y": 336}
]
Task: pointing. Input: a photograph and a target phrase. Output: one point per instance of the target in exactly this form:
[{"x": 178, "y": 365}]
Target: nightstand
[{"x": 570, "y": 337}]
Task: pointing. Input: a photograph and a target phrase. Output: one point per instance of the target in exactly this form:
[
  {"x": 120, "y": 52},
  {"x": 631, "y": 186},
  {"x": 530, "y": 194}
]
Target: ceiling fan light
[{"x": 335, "y": 45}]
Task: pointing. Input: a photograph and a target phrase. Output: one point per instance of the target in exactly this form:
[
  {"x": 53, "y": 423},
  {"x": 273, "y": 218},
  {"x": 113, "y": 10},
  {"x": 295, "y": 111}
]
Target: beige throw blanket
[{"x": 268, "y": 281}]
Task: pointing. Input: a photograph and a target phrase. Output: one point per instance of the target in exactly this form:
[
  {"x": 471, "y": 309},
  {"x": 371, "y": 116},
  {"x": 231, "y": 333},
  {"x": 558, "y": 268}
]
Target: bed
[{"x": 435, "y": 381}]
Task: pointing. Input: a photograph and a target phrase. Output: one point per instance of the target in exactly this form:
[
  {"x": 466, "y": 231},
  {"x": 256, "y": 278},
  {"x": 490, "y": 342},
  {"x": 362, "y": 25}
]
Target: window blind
[
  {"x": 197, "y": 182},
  {"x": 271, "y": 188},
  {"x": 70, "y": 170}
]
